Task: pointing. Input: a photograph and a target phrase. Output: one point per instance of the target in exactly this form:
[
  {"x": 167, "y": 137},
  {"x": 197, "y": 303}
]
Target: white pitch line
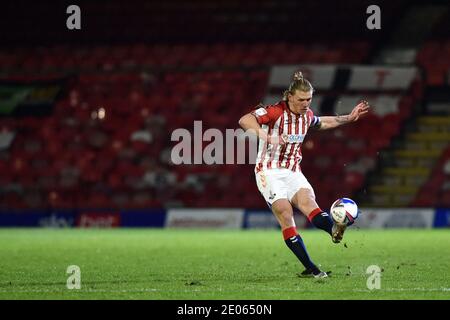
[{"x": 225, "y": 291}]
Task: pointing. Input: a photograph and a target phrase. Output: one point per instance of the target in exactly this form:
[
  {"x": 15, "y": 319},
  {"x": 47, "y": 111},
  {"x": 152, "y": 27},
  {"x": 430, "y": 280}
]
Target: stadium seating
[
  {"x": 436, "y": 190},
  {"x": 434, "y": 56},
  {"x": 110, "y": 57},
  {"x": 84, "y": 155},
  {"x": 189, "y": 21},
  {"x": 130, "y": 80}
]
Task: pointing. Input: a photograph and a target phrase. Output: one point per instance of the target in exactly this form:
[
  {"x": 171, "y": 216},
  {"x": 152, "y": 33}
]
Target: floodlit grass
[{"x": 211, "y": 264}]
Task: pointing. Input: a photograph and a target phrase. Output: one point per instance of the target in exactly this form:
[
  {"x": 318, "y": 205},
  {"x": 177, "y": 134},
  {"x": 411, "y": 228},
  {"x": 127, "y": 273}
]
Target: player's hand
[{"x": 359, "y": 110}]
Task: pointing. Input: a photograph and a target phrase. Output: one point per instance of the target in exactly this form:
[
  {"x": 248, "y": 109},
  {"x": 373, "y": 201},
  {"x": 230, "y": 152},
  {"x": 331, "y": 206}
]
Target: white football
[{"x": 344, "y": 210}]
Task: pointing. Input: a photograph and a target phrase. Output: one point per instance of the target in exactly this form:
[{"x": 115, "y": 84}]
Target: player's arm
[
  {"x": 330, "y": 122},
  {"x": 248, "y": 122}
]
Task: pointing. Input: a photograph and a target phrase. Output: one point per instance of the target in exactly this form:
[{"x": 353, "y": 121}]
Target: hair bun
[{"x": 298, "y": 76}]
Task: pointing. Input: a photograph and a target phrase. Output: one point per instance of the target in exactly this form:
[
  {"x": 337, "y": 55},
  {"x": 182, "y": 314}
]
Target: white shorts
[{"x": 280, "y": 183}]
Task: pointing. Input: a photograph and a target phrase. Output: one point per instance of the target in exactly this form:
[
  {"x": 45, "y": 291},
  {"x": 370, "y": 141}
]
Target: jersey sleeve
[
  {"x": 314, "y": 121},
  {"x": 268, "y": 114}
]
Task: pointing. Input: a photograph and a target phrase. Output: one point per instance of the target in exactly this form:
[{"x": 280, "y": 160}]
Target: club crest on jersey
[{"x": 295, "y": 138}]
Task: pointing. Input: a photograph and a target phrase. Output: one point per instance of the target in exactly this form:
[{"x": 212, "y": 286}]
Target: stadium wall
[{"x": 212, "y": 218}]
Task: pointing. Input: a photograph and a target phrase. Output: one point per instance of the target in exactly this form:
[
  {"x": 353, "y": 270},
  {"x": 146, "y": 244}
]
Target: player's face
[{"x": 300, "y": 101}]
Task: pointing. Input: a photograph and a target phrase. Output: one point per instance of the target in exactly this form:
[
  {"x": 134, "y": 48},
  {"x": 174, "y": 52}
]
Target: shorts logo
[{"x": 272, "y": 195}]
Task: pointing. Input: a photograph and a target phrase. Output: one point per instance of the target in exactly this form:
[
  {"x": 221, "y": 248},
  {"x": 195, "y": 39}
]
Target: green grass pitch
[{"x": 211, "y": 264}]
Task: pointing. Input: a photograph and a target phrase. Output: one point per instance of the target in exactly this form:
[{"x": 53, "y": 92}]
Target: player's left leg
[
  {"x": 301, "y": 195},
  {"x": 305, "y": 200},
  {"x": 337, "y": 232}
]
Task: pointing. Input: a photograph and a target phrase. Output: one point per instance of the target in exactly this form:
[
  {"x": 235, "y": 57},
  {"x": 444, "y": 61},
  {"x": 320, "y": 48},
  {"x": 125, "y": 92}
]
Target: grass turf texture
[{"x": 211, "y": 264}]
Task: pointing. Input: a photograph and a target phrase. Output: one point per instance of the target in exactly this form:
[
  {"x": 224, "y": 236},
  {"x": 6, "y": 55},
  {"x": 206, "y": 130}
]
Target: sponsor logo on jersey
[{"x": 295, "y": 138}]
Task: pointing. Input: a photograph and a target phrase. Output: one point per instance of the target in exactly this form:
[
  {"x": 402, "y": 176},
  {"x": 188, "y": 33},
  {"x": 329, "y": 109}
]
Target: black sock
[
  {"x": 295, "y": 243},
  {"x": 321, "y": 220}
]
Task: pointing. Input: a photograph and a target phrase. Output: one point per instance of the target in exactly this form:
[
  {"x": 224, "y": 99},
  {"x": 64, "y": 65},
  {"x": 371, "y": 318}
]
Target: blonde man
[{"x": 281, "y": 129}]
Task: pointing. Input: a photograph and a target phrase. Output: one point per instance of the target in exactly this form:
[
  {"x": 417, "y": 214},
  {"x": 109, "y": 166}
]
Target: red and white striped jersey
[{"x": 278, "y": 120}]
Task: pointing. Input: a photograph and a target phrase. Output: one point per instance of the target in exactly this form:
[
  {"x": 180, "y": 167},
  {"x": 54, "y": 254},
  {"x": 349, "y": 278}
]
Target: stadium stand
[
  {"x": 435, "y": 188},
  {"x": 101, "y": 136},
  {"x": 434, "y": 54},
  {"x": 83, "y": 155},
  {"x": 434, "y": 59},
  {"x": 184, "y": 21}
]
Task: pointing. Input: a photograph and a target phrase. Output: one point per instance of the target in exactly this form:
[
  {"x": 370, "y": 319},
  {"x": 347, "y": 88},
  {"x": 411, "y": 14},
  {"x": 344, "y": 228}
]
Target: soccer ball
[{"x": 344, "y": 210}]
